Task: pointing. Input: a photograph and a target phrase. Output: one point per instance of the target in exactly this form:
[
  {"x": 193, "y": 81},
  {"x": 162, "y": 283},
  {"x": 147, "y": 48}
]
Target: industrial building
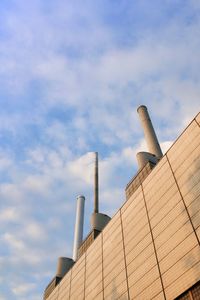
[{"x": 150, "y": 249}]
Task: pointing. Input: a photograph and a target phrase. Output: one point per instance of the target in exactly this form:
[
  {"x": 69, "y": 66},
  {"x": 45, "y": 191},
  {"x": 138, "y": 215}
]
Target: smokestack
[
  {"x": 96, "y": 184},
  {"x": 98, "y": 220},
  {"x": 63, "y": 266},
  {"x": 149, "y": 133},
  {"x": 144, "y": 157},
  {"x": 78, "y": 232}
]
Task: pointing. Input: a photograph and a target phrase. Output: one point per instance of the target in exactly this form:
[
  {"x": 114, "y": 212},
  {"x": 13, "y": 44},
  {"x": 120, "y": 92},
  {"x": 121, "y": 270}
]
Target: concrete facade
[{"x": 151, "y": 247}]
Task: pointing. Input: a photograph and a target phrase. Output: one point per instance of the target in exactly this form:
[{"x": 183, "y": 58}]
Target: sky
[{"x": 72, "y": 74}]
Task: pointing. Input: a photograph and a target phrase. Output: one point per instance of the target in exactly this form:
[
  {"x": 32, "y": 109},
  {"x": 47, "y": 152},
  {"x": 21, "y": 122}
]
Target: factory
[{"x": 150, "y": 249}]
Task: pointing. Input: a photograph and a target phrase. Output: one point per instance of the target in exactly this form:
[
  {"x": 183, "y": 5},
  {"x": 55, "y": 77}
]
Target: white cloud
[
  {"x": 22, "y": 289},
  {"x": 35, "y": 231},
  {"x": 166, "y": 145},
  {"x": 9, "y": 214},
  {"x": 13, "y": 242}
]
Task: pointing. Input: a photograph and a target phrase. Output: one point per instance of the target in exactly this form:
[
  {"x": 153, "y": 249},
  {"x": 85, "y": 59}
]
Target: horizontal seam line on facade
[
  {"x": 180, "y": 259},
  {"x": 92, "y": 291},
  {"x": 124, "y": 217},
  {"x": 136, "y": 194},
  {"x": 167, "y": 191},
  {"x": 111, "y": 224},
  {"x": 117, "y": 287},
  {"x": 197, "y": 121},
  {"x": 128, "y": 233},
  {"x": 185, "y": 130},
  {"x": 110, "y": 283},
  {"x": 93, "y": 265},
  {"x": 89, "y": 282},
  {"x": 182, "y": 275},
  {"x": 175, "y": 156},
  {"x": 114, "y": 233},
  {"x": 181, "y": 135},
  {"x": 186, "y": 163},
  {"x": 140, "y": 252},
  {"x": 190, "y": 192},
  {"x": 94, "y": 287},
  {"x": 65, "y": 286},
  {"x": 170, "y": 237},
  {"x": 197, "y": 227},
  {"x": 136, "y": 233},
  {"x": 155, "y": 170},
  {"x": 155, "y": 195},
  {"x": 132, "y": 224},
  {"x": 183, "y": 183},
  {"x": 182, "y": 196},
  {"x": 95, "y": 254},
  {"x": 173, "y": 234},
  {"x": 125, "y": 245},
  {"x": 157, "y": 294},
  {"x": 91, "y": 270},
  {"x": 112, "y": 244},
  {"x": 107, "y": 240},
  {"x": 96, "y": 295},
  {"x": 171, "y": 224},
  {"x": 157, "y": 181},
  {"x": 176, "y": 246},
  {"x": 166, "y": 213},
  {"x": 77, "y": 278},
  {"x": 147, "y": 286},
  {"x": 194, "y": 216},
  {"x": 115, "y": 260},
  {"x": 113, "y": 269},
  {"x": 193, "y": 200},
  {"x": 158, "y": 184},
  {"x": 77, "y": 268},
  {"x": 142, "y": 263},
  {"x": 144, "y": 275},
  {"x": 124, "y": 294},
  {"x": 105, "y": 263}
]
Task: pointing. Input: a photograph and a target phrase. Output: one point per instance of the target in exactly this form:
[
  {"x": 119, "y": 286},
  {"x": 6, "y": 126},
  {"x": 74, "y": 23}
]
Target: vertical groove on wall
[
  {"x": 85, "y": 274},
  {"x": 58, "y": 286},
  {"x": 124, "y": 253},
  {"x": 102, "y": 263},
  {"x": 197, "y": 122},
  {"x": 70, "y": 283},
  {"x": 153, "y": 243},
  {"x": 183, "y": 200}
]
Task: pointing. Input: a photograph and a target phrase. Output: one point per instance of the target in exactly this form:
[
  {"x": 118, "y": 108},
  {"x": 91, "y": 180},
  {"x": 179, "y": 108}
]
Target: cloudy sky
[{"x": 72, "y": 74}]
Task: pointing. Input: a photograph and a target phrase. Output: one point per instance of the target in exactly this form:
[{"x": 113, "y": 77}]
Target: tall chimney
[
  {"x": 96, "y": 184},
  {"x": 149, "y": 133},
  {"x": 98, "y": 220},
  {"x": 78, "y": 232}
]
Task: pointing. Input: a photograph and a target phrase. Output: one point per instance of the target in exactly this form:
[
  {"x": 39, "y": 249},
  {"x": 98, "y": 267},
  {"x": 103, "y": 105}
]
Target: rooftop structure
[{"x": 150, "y": 249}]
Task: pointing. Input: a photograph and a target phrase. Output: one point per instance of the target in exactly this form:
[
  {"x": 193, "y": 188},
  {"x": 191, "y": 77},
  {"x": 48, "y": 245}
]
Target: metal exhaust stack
[
  {"x": 63, "y": 266},
  {"x": 98, "y": 220},
  {"x": 96, "y": 184},
  {"x": 78, "y": 232},
  {"x": 149, "y": 133}
]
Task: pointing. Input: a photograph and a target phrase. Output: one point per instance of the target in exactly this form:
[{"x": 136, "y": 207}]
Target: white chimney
[
  {"x": 149, "y": 133},
  {"x": 78, "y": 231}
]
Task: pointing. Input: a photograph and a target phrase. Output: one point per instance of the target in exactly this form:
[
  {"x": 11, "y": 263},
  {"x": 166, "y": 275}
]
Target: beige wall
[{"x": 150, "y": 249}]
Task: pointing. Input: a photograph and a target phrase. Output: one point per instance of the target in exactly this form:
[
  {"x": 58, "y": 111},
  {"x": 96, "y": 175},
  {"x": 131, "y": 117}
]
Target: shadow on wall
[{"x": 115, "y": 295}]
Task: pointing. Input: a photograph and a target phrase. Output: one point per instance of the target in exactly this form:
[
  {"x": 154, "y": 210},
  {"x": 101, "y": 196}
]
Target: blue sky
[{"x": 71, "y": 78}]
